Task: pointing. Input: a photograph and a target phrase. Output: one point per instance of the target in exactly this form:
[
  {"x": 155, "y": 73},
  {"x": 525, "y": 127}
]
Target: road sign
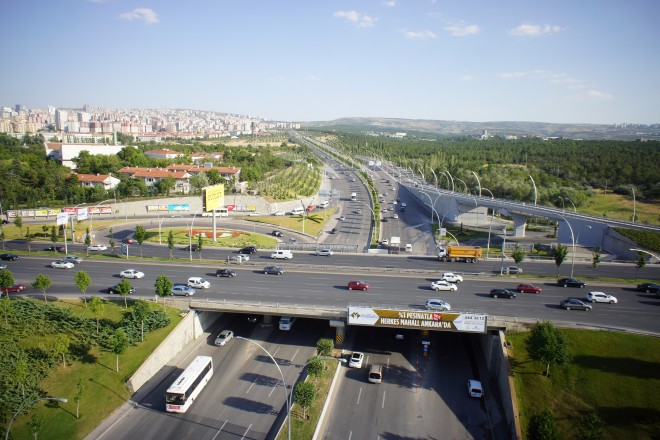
[{"x": 418, "y": 319}]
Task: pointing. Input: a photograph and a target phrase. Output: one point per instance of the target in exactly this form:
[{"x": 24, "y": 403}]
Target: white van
[
  {"x": 376, "y": 374},
  {"x": 475, "y": 389},
  {"x": 198, "y": 283},
  {"x": 282, "y": 255},
  {"x": 286, "y": 322},
  {"x": 324, "y": 204},
  {"x": 297, "y": 211}
]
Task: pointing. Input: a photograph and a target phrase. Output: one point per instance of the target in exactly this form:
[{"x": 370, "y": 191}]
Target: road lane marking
[
  {"x": 383, "y": 406},
  {"x": 246, "y": 431},
  {"x": 220, "y": 430},
  {"x": 350, "y": 434},
  {"x": 251, "y": 385},
  {"x": 294, "y": 355},
  {"x": 359, "y": 395}
]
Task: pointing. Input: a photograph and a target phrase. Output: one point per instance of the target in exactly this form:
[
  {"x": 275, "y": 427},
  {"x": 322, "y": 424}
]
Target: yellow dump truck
[{"x": 469, "y": 254}]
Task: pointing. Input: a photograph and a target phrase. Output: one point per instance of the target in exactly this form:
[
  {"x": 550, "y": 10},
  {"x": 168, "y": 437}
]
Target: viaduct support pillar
[{"x": 519, "y": 224}]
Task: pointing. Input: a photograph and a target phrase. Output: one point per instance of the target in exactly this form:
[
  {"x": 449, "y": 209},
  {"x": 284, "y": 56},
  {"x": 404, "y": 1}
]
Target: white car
[
  {"x": 451, "y": 277},
  {"x": 600, "y": 297},
  {"x": 278, "y": 213},
  {"x": 443, "y": 285},
  {"x": 97, "y": 247},
  {"x": 240, "y": 258},
  {"x": 385, "y": 242},
  {"x": 131, "y": 273},
  {"x": 403, "y": 204},
  {"x": 224, "y": 337},
  {"x": 356, "y": 360},
  {"x": 324, "y": 252},
  {"x": 62, "y": 264},
  {"x": 254, "y": 214},
  {"x": 342, "y": 218},
  {"x": 395, "y": 216},
  {"x": 198, "y": 283}
]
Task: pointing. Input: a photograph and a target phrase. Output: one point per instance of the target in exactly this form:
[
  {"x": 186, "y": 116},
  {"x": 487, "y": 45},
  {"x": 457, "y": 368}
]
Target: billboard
[
  {"x": 213, "y": 197},
  {"x": 418, "y": 319}
]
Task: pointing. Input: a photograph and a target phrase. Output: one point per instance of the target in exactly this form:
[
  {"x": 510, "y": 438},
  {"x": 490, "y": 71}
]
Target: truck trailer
[{"x": 469, "y": 254}]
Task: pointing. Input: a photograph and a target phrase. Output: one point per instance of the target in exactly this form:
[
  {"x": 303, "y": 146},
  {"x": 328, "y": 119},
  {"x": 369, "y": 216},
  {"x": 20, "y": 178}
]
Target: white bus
[
  {"x": 182, "y": 393},
  {"x": 220, "y": 212}
]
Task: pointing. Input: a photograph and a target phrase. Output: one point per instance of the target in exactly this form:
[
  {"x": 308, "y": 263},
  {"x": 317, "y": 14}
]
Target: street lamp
[
  {"x": 563, "y": 207},
  {"x": 452, "y": 236},
  {"x": 573, "y": 239},
  {"x": 634, "y": 203},
  {"x": 91, "y": 217},
  {"x": 478, "y": 182},
  {"x": 577, "y": 240},
  {"x": 489, "y": 192},
  {"x": 465, "y": 184},
  {"x": 57, "y": 399},
  {"x": 647, "y": 252},
  {"x": 503, "y": 247},
  {"x": 452, "y": 180},
  {"x": 534, "y": 185},
  {"x": 572, "y": 204}
]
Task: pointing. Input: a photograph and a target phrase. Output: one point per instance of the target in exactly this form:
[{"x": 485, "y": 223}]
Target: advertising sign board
[
  {"x": 214, "y": 197},
  {"x": 418, "y": 319}
]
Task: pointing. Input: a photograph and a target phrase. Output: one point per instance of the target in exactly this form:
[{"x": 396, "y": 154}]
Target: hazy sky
[{"x": 573, "y": 61}]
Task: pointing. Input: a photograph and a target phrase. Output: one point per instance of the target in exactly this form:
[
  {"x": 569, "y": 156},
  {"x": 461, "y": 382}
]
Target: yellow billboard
[{"x": 214, "y": 197}]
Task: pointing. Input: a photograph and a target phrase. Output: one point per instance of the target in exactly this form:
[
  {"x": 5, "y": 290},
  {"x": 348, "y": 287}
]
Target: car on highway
[
  {"x": 601, "y": 297},
  {"x": 224, "y": 337},
  {"x": 475, "y": 389},
  {"x": 395, "y": 216},
  {"x": 276, "y": 233},
  {"x": 502, "y": 293},
  {"x": 131, "y": 273},
  {"x": 115, "y": 289},
  {"x": 9, "y": 257},
  {"x": 333, "y": 230},
  {"x": 443, "y": 285},
  {"x": 273, "y": 270},
  {"x": 182, "y": 289},
  {"x": 384, "y": 220},
  {"x": 528, "y": 288},
  {"x": 356, "y": 360},
  {"x": 385, "y": 242},
  {"x": 451, "y": 277},
  {"x": 60, "y": 249},
  {"x": 279, "y": 213},
  {"x": 342, "y": 218},
  {"x": 16, "y": 288},
  {"x": 3, "y": 266},
  {"x": 198, "y": 283},
  {"x": 574, "y": 304},
  {"x": 59, "y": 264},
  {"x": 403, "y": 205},
  {"x": 227, "y": 273},
  {"x": 97, "y": 247},
  {"x": 240, "y": 258},
  {"x": 437, "y": 304},
  {"x": 248, "y": 250},
  {"x": 73, "y": 258},
  {"x": 194, "y": 247},
  {"x": 649, "y": 287},
  {"x": 512, "y": 270},
  {"x": 324, "y": 252},
  {"x": 571, "y": 282},
  {"x": 358, "y": 285},
  {"x": 128, "y": 240}
]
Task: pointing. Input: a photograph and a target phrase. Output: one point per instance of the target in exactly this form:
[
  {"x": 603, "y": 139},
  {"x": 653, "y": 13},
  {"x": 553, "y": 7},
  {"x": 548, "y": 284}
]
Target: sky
[{"x": 559, "y": 61}]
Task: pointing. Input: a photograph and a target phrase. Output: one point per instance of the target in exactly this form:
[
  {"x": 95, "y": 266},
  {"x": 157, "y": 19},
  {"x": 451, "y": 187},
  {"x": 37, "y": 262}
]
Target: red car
[
  {"x": 528, "y": 288},
  {"x": 358, "y": 285},
  {"x": 13, "y": 289}
]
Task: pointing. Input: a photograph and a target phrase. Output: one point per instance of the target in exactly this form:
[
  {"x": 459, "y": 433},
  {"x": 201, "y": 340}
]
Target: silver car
[
  {"x": 224, "y": 337},
  {"x": 182, "y": 289}
]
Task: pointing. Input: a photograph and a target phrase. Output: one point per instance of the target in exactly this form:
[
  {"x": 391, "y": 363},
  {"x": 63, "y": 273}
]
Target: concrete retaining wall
[{"x": 189, "y": 329}]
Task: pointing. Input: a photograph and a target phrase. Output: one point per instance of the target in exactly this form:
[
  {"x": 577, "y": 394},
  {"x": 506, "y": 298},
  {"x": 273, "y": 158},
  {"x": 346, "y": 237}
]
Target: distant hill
[{"x": 432, "y": 128}]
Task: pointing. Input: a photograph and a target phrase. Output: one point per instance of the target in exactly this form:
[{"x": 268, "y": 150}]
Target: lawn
[
  {"x": 621, "y": 207},
  {"x": 615, "y": 375},
  {"x": 104, "y": 389}
]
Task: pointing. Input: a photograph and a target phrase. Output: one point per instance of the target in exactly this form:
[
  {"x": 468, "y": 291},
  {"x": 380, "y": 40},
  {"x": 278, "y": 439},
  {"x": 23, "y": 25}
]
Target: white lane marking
[
  {"x": 220, "y": 430},
  {"x": 383, "y": 406},
  {"x": 246, "y": 431},
  {"x": 251, "y": 385},
  {"x": 273, "y": 388},
  {"x": 294, "y": 355},
  {"x": 388, "y": 363},
  {"x": 350, "y": 434},
  {"x": 359, "y": 395}
]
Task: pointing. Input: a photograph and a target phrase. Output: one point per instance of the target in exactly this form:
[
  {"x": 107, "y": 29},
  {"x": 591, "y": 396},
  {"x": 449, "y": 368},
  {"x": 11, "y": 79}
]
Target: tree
[
  {"x": 640, "y": 263},
  {"x": 200, "y": 242},
  {"x": 315, "y": 367},
  {"x": 591, "y": 427},
  {"x": 124, "y": 288},
  {"x": 44, "y": 228},
  {"x": 595, "y": 261},
  {"x": 518, "y": 255},
  {"x": 118, "y": 344},
  {"x": 6, "y": 308},
  {"x": 542, "y": 426},
  {"x": 6, "y": 280},
  {"x": 83, "y": 281},
  {"x": 21, "y": 371},
  {"x": 62, "y": 346},
  {"x": 97, "y": 306},
  {"x": 170, "y": 243},
  {"x": 304, "y": 395},
  {"x": 112, "y": 241},
  {"x": 28, "y": 239},
  {"x": 163, "y": 287},
  {"x": 53, "y": 236},
  {"x": 36, "y": 423},
  {"x": 2, "y": 237},
  {"x": 324, "y": 347},
  {"x": 548, "y": 345},
  {"x": 88, "y": 241},
  {"x": 559, "y": 253},
  {"x": 18, "y": 222},
  {"x": 141, "y": 310},
  {"x": 42, "y": 282},
  {"x": 140, "y": 235},
  {"x": 80, "y": 386}
]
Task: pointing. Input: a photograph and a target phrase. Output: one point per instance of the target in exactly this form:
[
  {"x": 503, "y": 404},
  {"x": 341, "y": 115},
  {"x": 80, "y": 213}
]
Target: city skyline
[{"x": 564, "y": 62}]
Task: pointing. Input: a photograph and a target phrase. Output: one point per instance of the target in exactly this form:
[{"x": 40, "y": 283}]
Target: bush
[{"x": 324, "y": 347}]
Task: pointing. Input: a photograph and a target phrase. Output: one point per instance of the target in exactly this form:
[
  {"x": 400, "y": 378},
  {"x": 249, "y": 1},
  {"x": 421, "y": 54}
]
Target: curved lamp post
[
  {"x": 534, "y": 185},
  {"x": 647, "y": 252},
  {"x": 478, "y": 182},
  {"x": 572, "y": 204},
  {"x": 91, "y": 217},
  {"x": 452, "y": 181},
  {"x": 563, "y": 207},
  {"x": 57, "y": 399},
  {"x": 465, "y": 184},
  {"x": 573, "y": 239},
  {"x": 489, "y": 192}
]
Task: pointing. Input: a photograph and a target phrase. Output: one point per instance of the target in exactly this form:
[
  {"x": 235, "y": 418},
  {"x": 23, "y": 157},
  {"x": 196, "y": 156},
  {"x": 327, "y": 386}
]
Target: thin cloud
[
  {"x": 599, "y": 96},
  {"x": 467, "y": 77},
  {"x": 419, "y": 35},
  {"x": 462, "y": 29},
  {"x": 145, "y": 14},
  {"x": 512, "y": 74},
  {"x": 356, "y": 18},
  {"x": 534, "y": 30},
  {"x": 390, "y": 3}
]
